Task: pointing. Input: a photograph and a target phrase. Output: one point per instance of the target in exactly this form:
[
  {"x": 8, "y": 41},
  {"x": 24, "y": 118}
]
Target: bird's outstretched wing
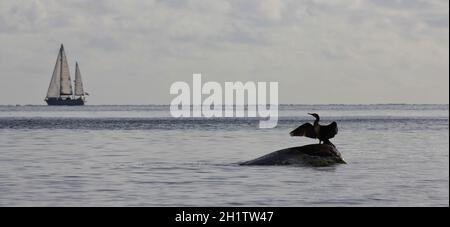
[
  {"x": 329, "y": 131},
  {"x": 306, "y": 129}
]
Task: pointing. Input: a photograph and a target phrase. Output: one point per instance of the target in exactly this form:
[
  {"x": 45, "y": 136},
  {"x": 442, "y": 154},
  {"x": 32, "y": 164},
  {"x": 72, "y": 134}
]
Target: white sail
[
  {"x": 78, "y": 83},
  {"x": 55, "y": 82},
  {"x": 66, "y": 84}
]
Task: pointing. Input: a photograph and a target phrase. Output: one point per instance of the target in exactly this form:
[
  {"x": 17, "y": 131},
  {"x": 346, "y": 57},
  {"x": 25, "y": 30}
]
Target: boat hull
[{"x": 64, "y": 102}]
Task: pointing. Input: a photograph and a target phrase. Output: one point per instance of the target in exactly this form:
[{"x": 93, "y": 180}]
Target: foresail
[
  {"x": 54, "y": 87},
  {"x": 78, "y": 83},
  {"x": 66, "y": 85}
]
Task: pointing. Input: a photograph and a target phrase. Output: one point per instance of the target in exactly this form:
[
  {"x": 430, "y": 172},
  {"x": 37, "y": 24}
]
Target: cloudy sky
[{"x": 320, "y": 51}]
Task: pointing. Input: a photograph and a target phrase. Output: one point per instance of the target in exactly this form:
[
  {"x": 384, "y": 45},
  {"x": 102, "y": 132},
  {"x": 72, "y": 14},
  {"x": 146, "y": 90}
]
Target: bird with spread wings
[{"x": 316, "y": 131}]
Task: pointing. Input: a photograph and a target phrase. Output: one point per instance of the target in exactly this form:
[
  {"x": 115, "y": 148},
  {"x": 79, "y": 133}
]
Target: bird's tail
[{"x": 328, "y": 142}]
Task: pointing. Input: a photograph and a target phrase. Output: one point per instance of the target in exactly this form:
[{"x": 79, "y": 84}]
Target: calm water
[{"x": 398, "y": 155}]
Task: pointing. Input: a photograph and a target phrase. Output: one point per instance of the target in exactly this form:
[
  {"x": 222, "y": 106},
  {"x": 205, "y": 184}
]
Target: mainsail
[
  {"x": 66, "y": 84},
  {"x": 60, "y": 83},
  {"x": 78, "y": 83}
]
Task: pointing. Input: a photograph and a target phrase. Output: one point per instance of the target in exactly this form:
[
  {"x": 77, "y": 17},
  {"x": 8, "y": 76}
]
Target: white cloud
[{"x": 272, "y": 9}]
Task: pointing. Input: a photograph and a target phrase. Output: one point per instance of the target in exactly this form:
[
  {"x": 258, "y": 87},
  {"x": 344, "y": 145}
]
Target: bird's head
[{"x": 314, "y": 115}]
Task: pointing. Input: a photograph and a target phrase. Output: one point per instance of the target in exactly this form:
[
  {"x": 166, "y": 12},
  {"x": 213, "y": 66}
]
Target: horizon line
[{"x": 281, "y": 104}]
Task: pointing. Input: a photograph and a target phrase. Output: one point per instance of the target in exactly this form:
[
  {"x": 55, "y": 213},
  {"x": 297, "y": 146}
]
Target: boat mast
[{"x": 61, "y": 50}]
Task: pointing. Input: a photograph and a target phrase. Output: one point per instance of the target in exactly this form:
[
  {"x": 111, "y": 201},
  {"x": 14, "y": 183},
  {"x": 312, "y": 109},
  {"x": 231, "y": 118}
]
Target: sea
[{"x": 397, "y": 155}]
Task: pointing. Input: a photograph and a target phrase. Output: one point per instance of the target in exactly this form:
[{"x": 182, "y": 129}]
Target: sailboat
[{"x": 60, "y": 92}]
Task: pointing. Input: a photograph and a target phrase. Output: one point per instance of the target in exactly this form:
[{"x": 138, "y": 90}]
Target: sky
[{"x": 320, "y": 51}]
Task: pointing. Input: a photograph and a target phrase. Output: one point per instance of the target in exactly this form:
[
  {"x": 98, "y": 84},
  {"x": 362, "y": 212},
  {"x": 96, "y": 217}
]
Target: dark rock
[{"x": 308, "y": 155}]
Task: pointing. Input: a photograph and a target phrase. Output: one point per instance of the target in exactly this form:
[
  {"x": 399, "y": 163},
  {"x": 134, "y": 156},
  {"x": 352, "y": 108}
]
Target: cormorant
[{"x": 322, "y": 132}]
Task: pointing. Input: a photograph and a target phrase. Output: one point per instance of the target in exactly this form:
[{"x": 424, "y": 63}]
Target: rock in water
[{"x": 308, "y": 155}]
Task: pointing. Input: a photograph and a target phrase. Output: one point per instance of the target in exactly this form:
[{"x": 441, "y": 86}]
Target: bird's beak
[{"x": 310, "y": 114}]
